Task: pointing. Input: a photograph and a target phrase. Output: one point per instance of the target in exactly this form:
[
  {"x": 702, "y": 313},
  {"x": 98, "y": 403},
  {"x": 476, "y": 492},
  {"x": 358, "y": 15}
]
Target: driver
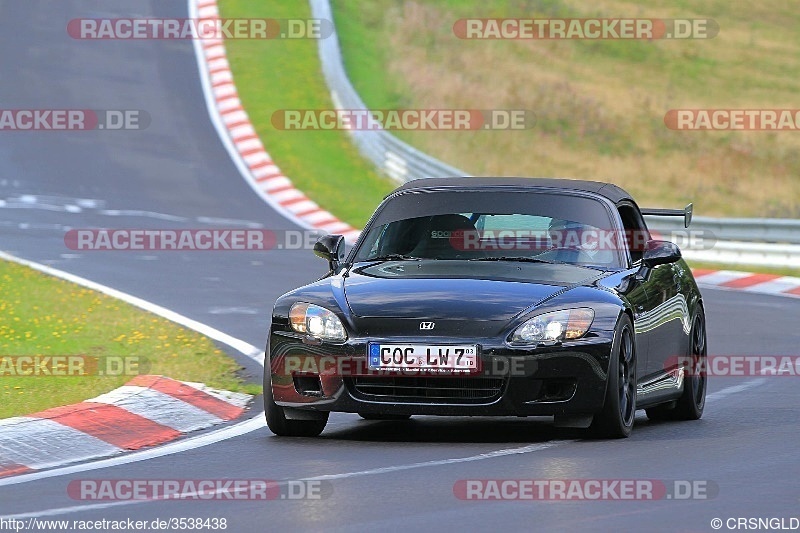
[{"x": 574, "y": 242}]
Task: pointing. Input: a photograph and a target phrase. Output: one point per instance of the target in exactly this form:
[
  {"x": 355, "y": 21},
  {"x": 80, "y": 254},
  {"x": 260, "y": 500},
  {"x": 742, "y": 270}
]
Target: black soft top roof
[{"x": 607, "y": 190}]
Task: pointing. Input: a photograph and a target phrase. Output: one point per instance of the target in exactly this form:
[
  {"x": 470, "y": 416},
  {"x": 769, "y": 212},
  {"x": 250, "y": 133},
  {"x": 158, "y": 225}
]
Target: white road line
[
  {"x": 140, "y": 213},
  {"x": 213, "y": 333},
  {"x": 735, "y": 388},
  {"x": 442, "y": 462},
  {"x": 376, "y": 471}
]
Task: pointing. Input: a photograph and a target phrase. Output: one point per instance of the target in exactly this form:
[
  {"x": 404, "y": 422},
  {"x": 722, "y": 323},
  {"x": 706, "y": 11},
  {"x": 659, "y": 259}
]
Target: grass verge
[
  {"x": 600, "y": 104},
  {"x": 285, "y": 74},
  {"x": 46, "y": 316}
]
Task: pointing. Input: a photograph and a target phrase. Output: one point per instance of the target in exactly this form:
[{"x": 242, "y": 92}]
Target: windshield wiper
[
  {"x": 536, "y": 260},
  {"x": 518, "y": 259},
  {"x": 394, "y": 257}
]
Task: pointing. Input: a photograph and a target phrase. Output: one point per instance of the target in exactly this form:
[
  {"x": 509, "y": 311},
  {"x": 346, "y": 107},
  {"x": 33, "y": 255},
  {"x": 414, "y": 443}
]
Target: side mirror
[
  {"x": 330, "y": 248},
  {"x": 660, "y": 253}
]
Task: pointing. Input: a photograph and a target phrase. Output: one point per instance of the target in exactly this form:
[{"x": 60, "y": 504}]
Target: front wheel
[
  {"x": 283, "y": 427},
  {"x": 616, "y": 418}
]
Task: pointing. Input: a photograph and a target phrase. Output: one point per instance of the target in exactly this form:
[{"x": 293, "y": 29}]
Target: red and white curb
[
  {"x": 748, "y": 282},
  {"x": 147, "y": 411},
  {"x": 254, "y": 162}
]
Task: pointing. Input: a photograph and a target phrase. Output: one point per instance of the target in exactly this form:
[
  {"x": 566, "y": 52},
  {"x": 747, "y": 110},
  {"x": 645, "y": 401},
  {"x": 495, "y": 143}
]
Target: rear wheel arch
[
  {"x": 700, "y": 305},
  {"x": 691, "y": 403}
]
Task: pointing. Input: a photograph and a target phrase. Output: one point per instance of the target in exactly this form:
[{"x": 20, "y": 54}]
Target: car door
[
  {"x": 635, "y": 289},
  {"x": 659, "y": 304},
  {"x": 662, "y": 318},
  {"x": 666, "y": 310}
]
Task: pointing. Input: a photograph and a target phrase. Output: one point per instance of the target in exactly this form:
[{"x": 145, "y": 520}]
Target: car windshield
[{"x": 492, "y": 226}]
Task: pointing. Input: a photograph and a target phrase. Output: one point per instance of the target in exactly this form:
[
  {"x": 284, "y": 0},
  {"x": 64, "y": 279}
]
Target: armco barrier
[
  {"x": 768, "y": 230},
  {"x": 396, "y": 159}
]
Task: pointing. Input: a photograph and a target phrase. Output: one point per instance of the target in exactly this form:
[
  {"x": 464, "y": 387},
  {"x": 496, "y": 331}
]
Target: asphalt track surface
[{"x": 745, "y": 444}]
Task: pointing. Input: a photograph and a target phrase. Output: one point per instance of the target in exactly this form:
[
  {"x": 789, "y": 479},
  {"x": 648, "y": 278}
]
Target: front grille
[{"x": 428, "y": 389}]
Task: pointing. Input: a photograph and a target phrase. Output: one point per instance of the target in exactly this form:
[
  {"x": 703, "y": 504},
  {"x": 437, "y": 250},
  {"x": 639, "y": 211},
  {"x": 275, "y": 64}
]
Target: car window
[
  {"x": 503, "y": 233},
  {"x": 636, "y": 233},
  {"x": 515, "y": 221}
]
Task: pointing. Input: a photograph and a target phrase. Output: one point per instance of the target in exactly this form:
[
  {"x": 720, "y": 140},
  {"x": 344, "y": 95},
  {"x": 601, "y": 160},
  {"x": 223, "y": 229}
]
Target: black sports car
[{"x": 493, "y": 296}]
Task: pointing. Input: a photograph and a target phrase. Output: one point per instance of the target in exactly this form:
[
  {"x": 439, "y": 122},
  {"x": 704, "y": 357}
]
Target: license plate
[{"x": 435, "y": 357}]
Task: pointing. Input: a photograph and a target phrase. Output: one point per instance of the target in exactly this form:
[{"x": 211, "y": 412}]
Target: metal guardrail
[
  {"x": 402, "y": 162},
  {"x": 769, "y": 230},
  {"x": 398, "y": 160},
  {"x": 743, "y": 241}
]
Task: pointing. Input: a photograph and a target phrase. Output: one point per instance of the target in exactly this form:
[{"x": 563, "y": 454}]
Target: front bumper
[{"x": 568, "y": 379}]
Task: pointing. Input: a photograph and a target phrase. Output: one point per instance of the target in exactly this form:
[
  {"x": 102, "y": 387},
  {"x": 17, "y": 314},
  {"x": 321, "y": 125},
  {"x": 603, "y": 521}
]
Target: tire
[
  {"x": 615, "y": 420},
  {"x": 373, "y": 416},
  {"x": 692, "y": 402},
  {"x": 282, "y": 426}
]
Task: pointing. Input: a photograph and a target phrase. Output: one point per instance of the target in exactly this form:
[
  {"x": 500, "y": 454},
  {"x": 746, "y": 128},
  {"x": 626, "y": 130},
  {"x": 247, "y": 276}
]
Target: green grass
[
  {"x": 281, "y": 74},
  {"x": 600, "y": 105},
  {"x": 357, "y": 24},
  {"x": 42, "y": 315}
]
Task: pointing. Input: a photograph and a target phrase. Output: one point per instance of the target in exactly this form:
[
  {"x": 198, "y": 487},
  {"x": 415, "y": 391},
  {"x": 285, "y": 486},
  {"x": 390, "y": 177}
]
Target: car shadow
[{"x": 453, "y": 430}]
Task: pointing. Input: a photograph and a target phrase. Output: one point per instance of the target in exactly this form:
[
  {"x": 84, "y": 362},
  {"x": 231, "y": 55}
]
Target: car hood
[{"x": 456, "y": 290}]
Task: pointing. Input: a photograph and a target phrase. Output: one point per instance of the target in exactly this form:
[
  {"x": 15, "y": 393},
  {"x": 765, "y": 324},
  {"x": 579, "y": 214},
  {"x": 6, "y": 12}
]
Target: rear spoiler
[{"x": 686, "y": 213}]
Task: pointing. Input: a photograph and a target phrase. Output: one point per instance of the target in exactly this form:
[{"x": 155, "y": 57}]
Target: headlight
[
  {"x": 317, "y": 322},
  {"x": 554, "y": 327}
]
